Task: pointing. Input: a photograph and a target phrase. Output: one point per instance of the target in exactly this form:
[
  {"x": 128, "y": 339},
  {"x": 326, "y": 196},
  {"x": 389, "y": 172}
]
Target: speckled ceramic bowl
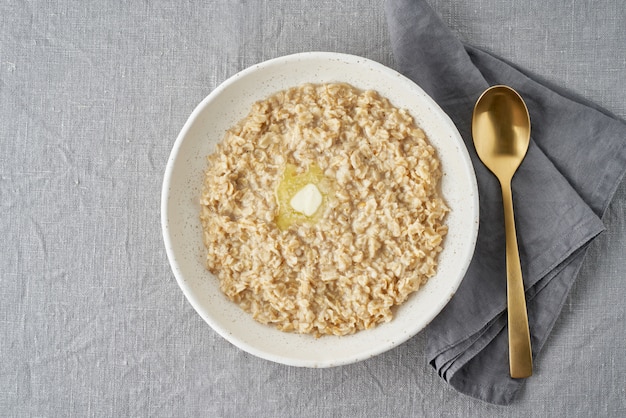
[{"x": 182, "y": 187}]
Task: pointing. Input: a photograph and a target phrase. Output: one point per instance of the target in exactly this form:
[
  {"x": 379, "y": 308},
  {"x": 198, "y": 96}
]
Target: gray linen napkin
[{"x": 575, "y": 161}]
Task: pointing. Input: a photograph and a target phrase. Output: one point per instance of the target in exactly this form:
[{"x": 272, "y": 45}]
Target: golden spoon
[{"x": 501, "y": 131}]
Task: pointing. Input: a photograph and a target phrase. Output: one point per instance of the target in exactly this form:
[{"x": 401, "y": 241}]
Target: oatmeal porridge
[{"x": 321, "y": 210}]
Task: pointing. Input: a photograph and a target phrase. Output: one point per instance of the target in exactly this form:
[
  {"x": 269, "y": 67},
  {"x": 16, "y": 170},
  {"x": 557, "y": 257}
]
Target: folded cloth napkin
[{"x": 576, "y": 160}]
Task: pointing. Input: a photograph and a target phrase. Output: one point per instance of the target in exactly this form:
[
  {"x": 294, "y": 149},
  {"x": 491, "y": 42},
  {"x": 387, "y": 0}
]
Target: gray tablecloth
[{"x": 92, "y": 323}]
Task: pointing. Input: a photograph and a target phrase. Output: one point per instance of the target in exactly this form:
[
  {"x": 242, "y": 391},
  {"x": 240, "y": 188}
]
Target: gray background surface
[{"x": 92, "y": 323}]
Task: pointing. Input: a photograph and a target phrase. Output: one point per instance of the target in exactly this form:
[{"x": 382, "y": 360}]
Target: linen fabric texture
[{"x": 575, "y": 161}]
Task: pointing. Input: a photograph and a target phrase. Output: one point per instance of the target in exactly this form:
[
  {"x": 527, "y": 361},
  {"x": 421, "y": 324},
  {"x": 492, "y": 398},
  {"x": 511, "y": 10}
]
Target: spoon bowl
[{"x": 501, "y": 132}]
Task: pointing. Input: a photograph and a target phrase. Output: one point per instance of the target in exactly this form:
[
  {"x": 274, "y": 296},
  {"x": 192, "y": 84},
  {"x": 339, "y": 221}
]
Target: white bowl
[{"x": 182, "y": 187}]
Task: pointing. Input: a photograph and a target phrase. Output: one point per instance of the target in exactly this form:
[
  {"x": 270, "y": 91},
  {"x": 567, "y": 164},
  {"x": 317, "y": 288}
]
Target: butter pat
[{"x": 307, "y": 200}]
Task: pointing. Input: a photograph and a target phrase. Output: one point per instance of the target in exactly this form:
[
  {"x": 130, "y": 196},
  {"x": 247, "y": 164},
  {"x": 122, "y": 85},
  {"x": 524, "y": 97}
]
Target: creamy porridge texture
[{"x": 321, "y": 210}]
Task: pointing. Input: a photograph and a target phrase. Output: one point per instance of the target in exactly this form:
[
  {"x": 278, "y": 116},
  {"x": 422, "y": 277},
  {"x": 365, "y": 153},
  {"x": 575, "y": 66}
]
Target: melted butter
[{"x": 290, "y": 185}]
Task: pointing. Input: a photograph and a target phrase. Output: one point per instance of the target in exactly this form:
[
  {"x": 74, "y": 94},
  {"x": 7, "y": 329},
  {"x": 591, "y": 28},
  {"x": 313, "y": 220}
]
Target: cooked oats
[{"x": 373, "y": 240}]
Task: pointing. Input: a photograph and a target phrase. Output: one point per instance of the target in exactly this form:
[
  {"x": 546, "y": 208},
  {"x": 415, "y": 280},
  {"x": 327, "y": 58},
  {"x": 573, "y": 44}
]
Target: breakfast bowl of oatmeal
[{"x": 318, "y": 209}]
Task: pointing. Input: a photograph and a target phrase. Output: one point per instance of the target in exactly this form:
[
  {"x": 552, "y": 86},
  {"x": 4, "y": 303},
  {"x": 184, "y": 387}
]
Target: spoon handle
[{"x": 520, "y": 354}]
